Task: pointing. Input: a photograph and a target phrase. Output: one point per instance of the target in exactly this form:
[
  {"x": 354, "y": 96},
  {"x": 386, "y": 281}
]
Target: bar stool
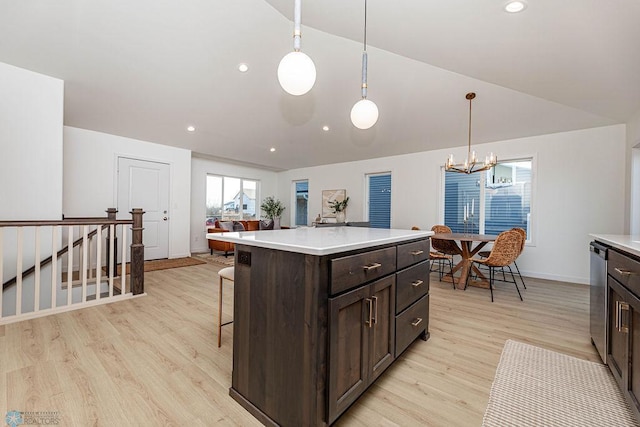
[{"x": 225, "y": 273}]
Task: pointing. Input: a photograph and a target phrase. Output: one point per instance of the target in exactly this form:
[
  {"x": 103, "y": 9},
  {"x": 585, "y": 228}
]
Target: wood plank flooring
[{"x": 154, "y": 360}]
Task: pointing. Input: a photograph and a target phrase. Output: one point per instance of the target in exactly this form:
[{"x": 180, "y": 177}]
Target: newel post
[{"x": 137, "y": 253}]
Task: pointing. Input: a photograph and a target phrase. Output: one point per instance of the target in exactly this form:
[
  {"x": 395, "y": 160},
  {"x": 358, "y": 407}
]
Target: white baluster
[
  {"x": 112, "y": 266},
  {"x": 90, "y": 272},
  {"x": 36, "y": 285},
  {"x": 123, "y": 274},
  {"x": 54, "y": 265},
  {"x": 70, "y": 265},
  {"x": 98, "y": 260},
  {"x": 85, "y": 245},
  {"x": 19, "y": 273}
]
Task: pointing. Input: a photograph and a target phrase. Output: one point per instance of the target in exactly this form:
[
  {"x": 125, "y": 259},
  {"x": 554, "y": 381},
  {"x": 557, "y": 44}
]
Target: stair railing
[{"x": 40, "y": 289}]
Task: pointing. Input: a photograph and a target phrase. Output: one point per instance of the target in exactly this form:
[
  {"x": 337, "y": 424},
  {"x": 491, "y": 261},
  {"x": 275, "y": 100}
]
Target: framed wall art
[{"x": 329, "y": 196}]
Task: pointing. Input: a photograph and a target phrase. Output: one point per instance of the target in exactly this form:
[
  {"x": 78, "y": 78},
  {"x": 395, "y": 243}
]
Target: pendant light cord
[{"x": 365, "y": 25}]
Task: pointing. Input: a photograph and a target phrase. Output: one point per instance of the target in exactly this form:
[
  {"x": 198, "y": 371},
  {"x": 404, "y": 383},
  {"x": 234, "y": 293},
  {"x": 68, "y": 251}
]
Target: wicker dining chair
[
  {"x": 505, "y": 250},
  {"x": 523, "y": 233},
  {"x": 443, "y": 252}
]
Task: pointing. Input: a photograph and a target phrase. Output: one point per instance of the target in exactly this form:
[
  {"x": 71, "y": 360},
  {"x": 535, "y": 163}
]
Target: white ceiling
[{"x": 146, "y": 69}]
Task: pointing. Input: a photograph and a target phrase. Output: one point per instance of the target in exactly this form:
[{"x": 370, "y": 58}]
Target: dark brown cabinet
[
  {"x": 623, "y": 323},
  {"x": 312, "y": 332},
  {"x": 361, "y": 341}
]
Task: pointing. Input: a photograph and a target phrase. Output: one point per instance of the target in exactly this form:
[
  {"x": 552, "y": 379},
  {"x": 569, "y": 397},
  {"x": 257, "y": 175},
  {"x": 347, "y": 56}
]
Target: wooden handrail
[{"x": 73, "y": 221}]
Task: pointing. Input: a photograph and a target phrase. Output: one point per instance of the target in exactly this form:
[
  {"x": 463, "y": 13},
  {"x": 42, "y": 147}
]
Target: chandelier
[{"x": 471, "y": 163}]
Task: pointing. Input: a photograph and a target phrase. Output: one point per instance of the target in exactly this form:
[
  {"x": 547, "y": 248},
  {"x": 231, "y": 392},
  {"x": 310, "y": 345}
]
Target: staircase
[{"x": 72, "y": 264}]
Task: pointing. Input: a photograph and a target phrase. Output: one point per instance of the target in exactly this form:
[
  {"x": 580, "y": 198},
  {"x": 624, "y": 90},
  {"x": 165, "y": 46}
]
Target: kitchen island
[{"x": 320, "y": 313}]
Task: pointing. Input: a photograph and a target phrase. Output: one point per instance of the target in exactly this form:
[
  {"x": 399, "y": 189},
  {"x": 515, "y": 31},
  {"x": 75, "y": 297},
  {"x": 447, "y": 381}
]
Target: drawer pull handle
[
  {"x": 624, "y": 327},
  {"x": 375, "y": 309},
  {"x": 416, "y": 322},
  {"x": 416, "y": 253},
  {"x": 417, "y": 283},
  {"x": 372, "y": 266},
  {"x": 624, "y": 272}
]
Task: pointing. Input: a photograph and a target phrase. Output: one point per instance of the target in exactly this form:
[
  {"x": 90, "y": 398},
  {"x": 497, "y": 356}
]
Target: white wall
[
  {"x": 579, "y": 189},
  {"x": 90, "y": 178},
  {"x": 633, "y": 178},
  {"x": 200, "y": 167},
  {"x": 31, "y": 108}
]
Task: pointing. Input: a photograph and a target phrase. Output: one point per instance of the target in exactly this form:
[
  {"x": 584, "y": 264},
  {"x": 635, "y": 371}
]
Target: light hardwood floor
[{"x": 153, "y": 360}]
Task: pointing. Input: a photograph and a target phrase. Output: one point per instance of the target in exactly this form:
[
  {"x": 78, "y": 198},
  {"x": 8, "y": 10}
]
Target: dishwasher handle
[{"x": 599, "y": 249}]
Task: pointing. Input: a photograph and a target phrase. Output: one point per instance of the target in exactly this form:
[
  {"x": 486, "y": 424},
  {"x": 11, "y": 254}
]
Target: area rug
[
  {"x": 217, "y": 259},
  {"x": 164, "y": 264},
  {"x": 538, "y": 387}
]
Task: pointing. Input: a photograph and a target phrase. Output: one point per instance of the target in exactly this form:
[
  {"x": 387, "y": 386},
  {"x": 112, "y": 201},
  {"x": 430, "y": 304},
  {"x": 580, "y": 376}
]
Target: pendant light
[
  {"x": 364, "y": 113},
  {"x": 296, "y": 72},
  {"x": 471, "y": 164}
]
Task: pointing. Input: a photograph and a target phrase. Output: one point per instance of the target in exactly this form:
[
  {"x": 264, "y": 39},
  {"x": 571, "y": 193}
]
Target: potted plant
[
  {"x": 339, "y": 207},
  {"x": 273, "y": 209}
]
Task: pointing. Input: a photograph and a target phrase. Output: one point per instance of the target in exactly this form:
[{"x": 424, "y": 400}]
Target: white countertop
[
  {"x": 320, "y": 241},
  {"x": 625, "y": 242}
]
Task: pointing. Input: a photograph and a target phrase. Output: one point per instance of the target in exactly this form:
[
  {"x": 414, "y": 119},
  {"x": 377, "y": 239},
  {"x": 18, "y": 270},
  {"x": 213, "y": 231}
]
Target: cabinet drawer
[
  {"x": 625, "y": 270},
  {"x": 411, "y": 284},
  {"x": 411, "y": 323},
  {"x": 411, "y": 253},
  {"x": 350, "y": 271}
]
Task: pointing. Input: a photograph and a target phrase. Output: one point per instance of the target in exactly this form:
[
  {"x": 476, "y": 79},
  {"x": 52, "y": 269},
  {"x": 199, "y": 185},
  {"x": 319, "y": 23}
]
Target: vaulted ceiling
[{"x": 147, "y": 69}]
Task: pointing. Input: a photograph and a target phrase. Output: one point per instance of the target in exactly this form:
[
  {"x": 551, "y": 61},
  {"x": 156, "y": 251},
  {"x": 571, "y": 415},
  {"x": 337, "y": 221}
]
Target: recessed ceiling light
[
  {"x": 243, "y": 68},
  {"x": 515, "y": 6},
  {"x": 325, "y": 128},
  {"x": 272, "y": 149},
  {"x": 191, "y": 128}
]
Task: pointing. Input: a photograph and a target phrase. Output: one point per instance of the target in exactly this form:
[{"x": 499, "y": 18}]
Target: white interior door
[{"x": 144, "y": 184}]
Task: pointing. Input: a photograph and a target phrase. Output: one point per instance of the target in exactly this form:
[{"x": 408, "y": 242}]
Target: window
[
  {"x": 230, "y": 199},
  {"x": 379, "y": 194},
  {"x": 301, "y": 202},
  {"x": 496, "y": 200}
]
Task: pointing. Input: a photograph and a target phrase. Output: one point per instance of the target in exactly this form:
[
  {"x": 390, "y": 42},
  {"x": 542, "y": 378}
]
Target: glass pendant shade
[
  {"x": 296, "y": 73},
  {"x": 364, "y": 114}
]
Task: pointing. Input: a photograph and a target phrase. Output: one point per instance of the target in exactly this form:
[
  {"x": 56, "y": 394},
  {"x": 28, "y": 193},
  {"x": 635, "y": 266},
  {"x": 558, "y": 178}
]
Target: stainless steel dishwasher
[{"x": 598, "y": 297}]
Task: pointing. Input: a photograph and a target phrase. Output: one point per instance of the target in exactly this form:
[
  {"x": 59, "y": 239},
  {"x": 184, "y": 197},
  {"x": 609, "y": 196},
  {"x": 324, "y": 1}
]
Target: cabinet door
[
  {"x": 348, "y": 343},
  {"x": 633, "y": 378},
  {"x": 617, "y": 355},
  {"x": 382, "y": 328}
]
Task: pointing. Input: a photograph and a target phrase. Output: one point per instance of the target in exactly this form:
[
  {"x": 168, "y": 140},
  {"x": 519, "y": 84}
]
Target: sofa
[{"x": 226, "y": 226}]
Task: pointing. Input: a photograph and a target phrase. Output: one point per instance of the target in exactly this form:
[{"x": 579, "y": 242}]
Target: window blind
[{"x": 380, "y": 201}]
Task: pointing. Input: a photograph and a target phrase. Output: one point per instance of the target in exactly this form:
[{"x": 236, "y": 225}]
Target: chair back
[
  {"x": 448, "y": 247},
  {"x": 505, "y": 249},
  {"x": 523, "y": 234}
]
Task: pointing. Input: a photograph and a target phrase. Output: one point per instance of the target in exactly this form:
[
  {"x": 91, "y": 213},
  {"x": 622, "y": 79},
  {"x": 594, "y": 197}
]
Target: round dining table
[{"x": 466, "y": 249}]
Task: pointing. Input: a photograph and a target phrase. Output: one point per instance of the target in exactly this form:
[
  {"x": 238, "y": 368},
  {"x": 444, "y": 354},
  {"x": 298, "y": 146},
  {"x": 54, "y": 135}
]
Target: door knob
[{"x": 165, "y": 218}]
